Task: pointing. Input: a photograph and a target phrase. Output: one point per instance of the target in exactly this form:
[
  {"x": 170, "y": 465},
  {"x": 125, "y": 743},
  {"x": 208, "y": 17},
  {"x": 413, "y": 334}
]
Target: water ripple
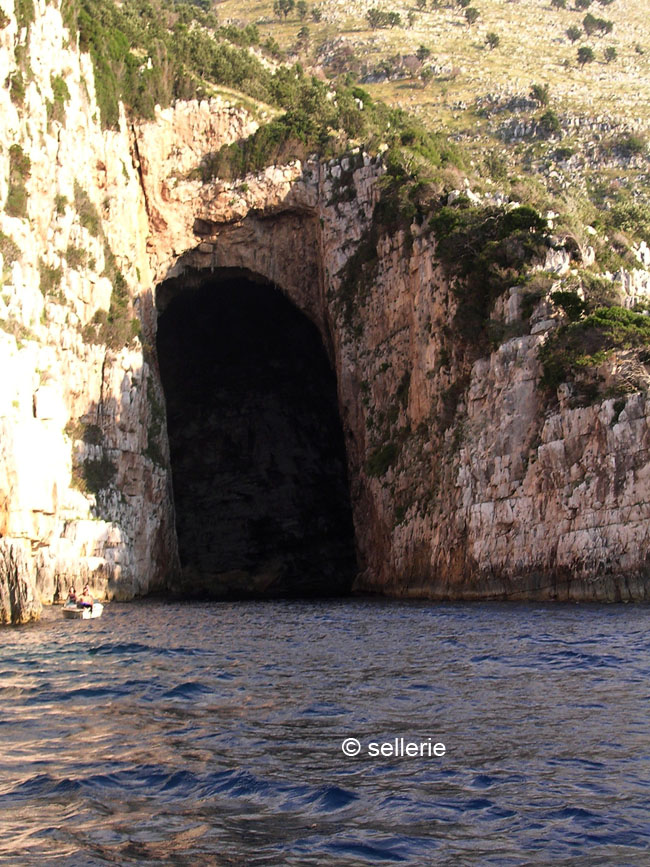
[{"x": 211, "y": 734}]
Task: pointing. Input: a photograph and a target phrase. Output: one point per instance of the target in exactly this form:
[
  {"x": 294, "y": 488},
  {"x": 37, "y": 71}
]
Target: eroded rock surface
[
  {"x": 18, "y": 602},
  {"x": 464, "y": 481}
]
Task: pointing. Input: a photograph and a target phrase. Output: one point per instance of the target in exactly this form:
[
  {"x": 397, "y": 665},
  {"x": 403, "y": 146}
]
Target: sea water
[{"x": 215, "y": 734}]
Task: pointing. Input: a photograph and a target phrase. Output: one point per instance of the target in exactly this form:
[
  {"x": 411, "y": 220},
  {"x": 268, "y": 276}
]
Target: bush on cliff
[
  {"x": 487, "y": 248},
  {"x": 93, "y": 475},
  {"x": 116, "y": 327},
  {"x": 147, "y": 53},
  {"x": 19, "y": 170},
  {"x": 582, "y": 345}
]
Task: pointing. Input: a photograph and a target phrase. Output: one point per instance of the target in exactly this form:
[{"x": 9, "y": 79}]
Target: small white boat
[{"x": 71, "y": 611}]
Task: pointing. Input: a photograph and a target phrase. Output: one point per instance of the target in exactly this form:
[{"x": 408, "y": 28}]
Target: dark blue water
[{"x": 211, "y": 734}]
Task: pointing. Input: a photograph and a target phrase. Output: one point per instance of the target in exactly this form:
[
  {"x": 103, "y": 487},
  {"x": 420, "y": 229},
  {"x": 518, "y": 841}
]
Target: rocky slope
[{"x": 465, "y": 481}]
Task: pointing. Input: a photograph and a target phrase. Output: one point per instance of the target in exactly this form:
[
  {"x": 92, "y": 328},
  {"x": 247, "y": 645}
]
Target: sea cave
[{"x": 261, "y": 494}]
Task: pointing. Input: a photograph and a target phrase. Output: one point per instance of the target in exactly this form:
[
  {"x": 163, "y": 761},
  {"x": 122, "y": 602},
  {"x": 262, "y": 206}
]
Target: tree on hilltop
[
  {"x": 426, "y": 75},
  {"x": 423, "y": 53},
  {"x": 540, "y": 93},
  {"x": 610, "y": 53},
  {"x": 574, "y": 33},
  {"x": 283, "y": 7},
  {"x": 589, "y": 23},
  {"x": 377, "y": 18},
  {"x": 492, "y": 40},
  {"x": 302, "y": 8},
  {"x": 549, "y": 123},
  {"x": 303, "y": 38},
  {"x": 471, "y": 14},
  {"x": 585, "y": 55}
]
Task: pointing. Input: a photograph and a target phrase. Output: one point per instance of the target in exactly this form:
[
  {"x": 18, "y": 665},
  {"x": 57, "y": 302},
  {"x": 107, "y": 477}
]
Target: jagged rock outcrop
[
  {"x": 465, "y": 483},
  {"x": 79, "y": 494},
  {"x": 18, "y": 603}
]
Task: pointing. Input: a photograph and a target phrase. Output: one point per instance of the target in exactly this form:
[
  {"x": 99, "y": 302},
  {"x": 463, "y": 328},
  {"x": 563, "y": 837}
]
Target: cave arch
[{"x": 257, "y": 451}]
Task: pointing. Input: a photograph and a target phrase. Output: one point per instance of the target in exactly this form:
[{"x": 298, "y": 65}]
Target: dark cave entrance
[{"x": 257, "y": 451}]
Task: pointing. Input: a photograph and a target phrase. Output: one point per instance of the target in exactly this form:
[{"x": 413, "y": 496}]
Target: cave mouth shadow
[{"x": 259, "y": 476}]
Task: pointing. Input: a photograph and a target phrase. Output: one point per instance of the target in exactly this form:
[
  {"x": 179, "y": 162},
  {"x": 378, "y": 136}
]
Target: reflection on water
[{"x": 211, "y": 734}]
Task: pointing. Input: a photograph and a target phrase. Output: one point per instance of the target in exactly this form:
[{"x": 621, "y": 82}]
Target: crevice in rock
[{"x": 257, "y": 453}]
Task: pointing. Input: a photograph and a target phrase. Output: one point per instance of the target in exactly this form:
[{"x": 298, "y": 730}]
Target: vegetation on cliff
[
  {"x": 579, "y": 347},
  {"x": 488, "y": 248}
]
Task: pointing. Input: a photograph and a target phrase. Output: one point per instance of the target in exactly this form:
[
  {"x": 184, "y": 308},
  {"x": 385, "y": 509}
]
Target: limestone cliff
[
  {"x": 80, "y": 497},
  {"x": 465, "y": 481}
]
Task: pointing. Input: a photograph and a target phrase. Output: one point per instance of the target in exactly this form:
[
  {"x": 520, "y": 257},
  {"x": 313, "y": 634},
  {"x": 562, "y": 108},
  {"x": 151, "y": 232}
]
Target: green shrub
[
  {"x": 85, "y": 431},
  {"x": 25, "y": 13},
  {"x": 487, "y": 248},
  {"x": 549, "y": 123},
  {"x": 571, "y": 303},
  {"x": 247, "y": 35},
  {"x": 9, "y": 249},
  {"x": 117, "y": 327},
  {"x": 599, "y": 292},
  {"x": 564, "y": 153},
  {"x": 292, "y": 136},
  {"x": 382, "y": 459},
  {"x": 92, "y": 434},
  {"x": 630, "y": 145},
  {"x": 50, "y": 278},
  {"x": 16, "y": 205},
  {"x": 19, "y": 169},
  {"x": 378, "y": 19},
  {"x": 585, "y": 55},
  {"x": 403, "y": 389},
  {"x": 93, "y": 476},
  {"x": 61, "y": 96},
  {"x": 587, "y": 343},
  {"x": 359, "y": 273},
  {"x": 21, "y": 332},
  {"x": 17, "y": 88},
  {"x": 540, "y": 93},
  {"x": 496, "y": 166},
  {"x": 88, "y": 215},
  {"x": 632, "y": 217},
  {"x": 75, "y": 257}
]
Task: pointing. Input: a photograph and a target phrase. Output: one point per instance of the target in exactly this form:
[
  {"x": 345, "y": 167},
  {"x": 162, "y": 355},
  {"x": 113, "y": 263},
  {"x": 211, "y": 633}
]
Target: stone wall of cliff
[
  {"x": 465, "y": 481},
  {"x": 80, "y": 498},
  {"x": 468, "y": 480}
]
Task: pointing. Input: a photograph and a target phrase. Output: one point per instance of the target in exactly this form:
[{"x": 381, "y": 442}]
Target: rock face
[
  {"x": 464, "y": 481},
  {"x": 18, "y": 603}
]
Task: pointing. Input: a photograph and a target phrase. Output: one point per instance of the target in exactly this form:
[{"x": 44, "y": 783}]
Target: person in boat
[
  {"x": 85, "y": 600},
  {"x": 72, "y": 596}
]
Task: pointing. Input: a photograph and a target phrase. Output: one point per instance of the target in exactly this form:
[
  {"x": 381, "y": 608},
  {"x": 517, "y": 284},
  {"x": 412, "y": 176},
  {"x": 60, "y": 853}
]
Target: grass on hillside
[{"x": 533, "y": 46}]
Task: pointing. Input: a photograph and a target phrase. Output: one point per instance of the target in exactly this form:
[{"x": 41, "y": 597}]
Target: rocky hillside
[
  {"x": 84, "y": 497},
  {"x": 491, "y": 370}
]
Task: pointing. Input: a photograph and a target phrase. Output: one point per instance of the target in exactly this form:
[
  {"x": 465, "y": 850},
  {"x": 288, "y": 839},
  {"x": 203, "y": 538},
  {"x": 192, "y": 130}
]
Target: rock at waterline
[{"x": 18, "y": 601}]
